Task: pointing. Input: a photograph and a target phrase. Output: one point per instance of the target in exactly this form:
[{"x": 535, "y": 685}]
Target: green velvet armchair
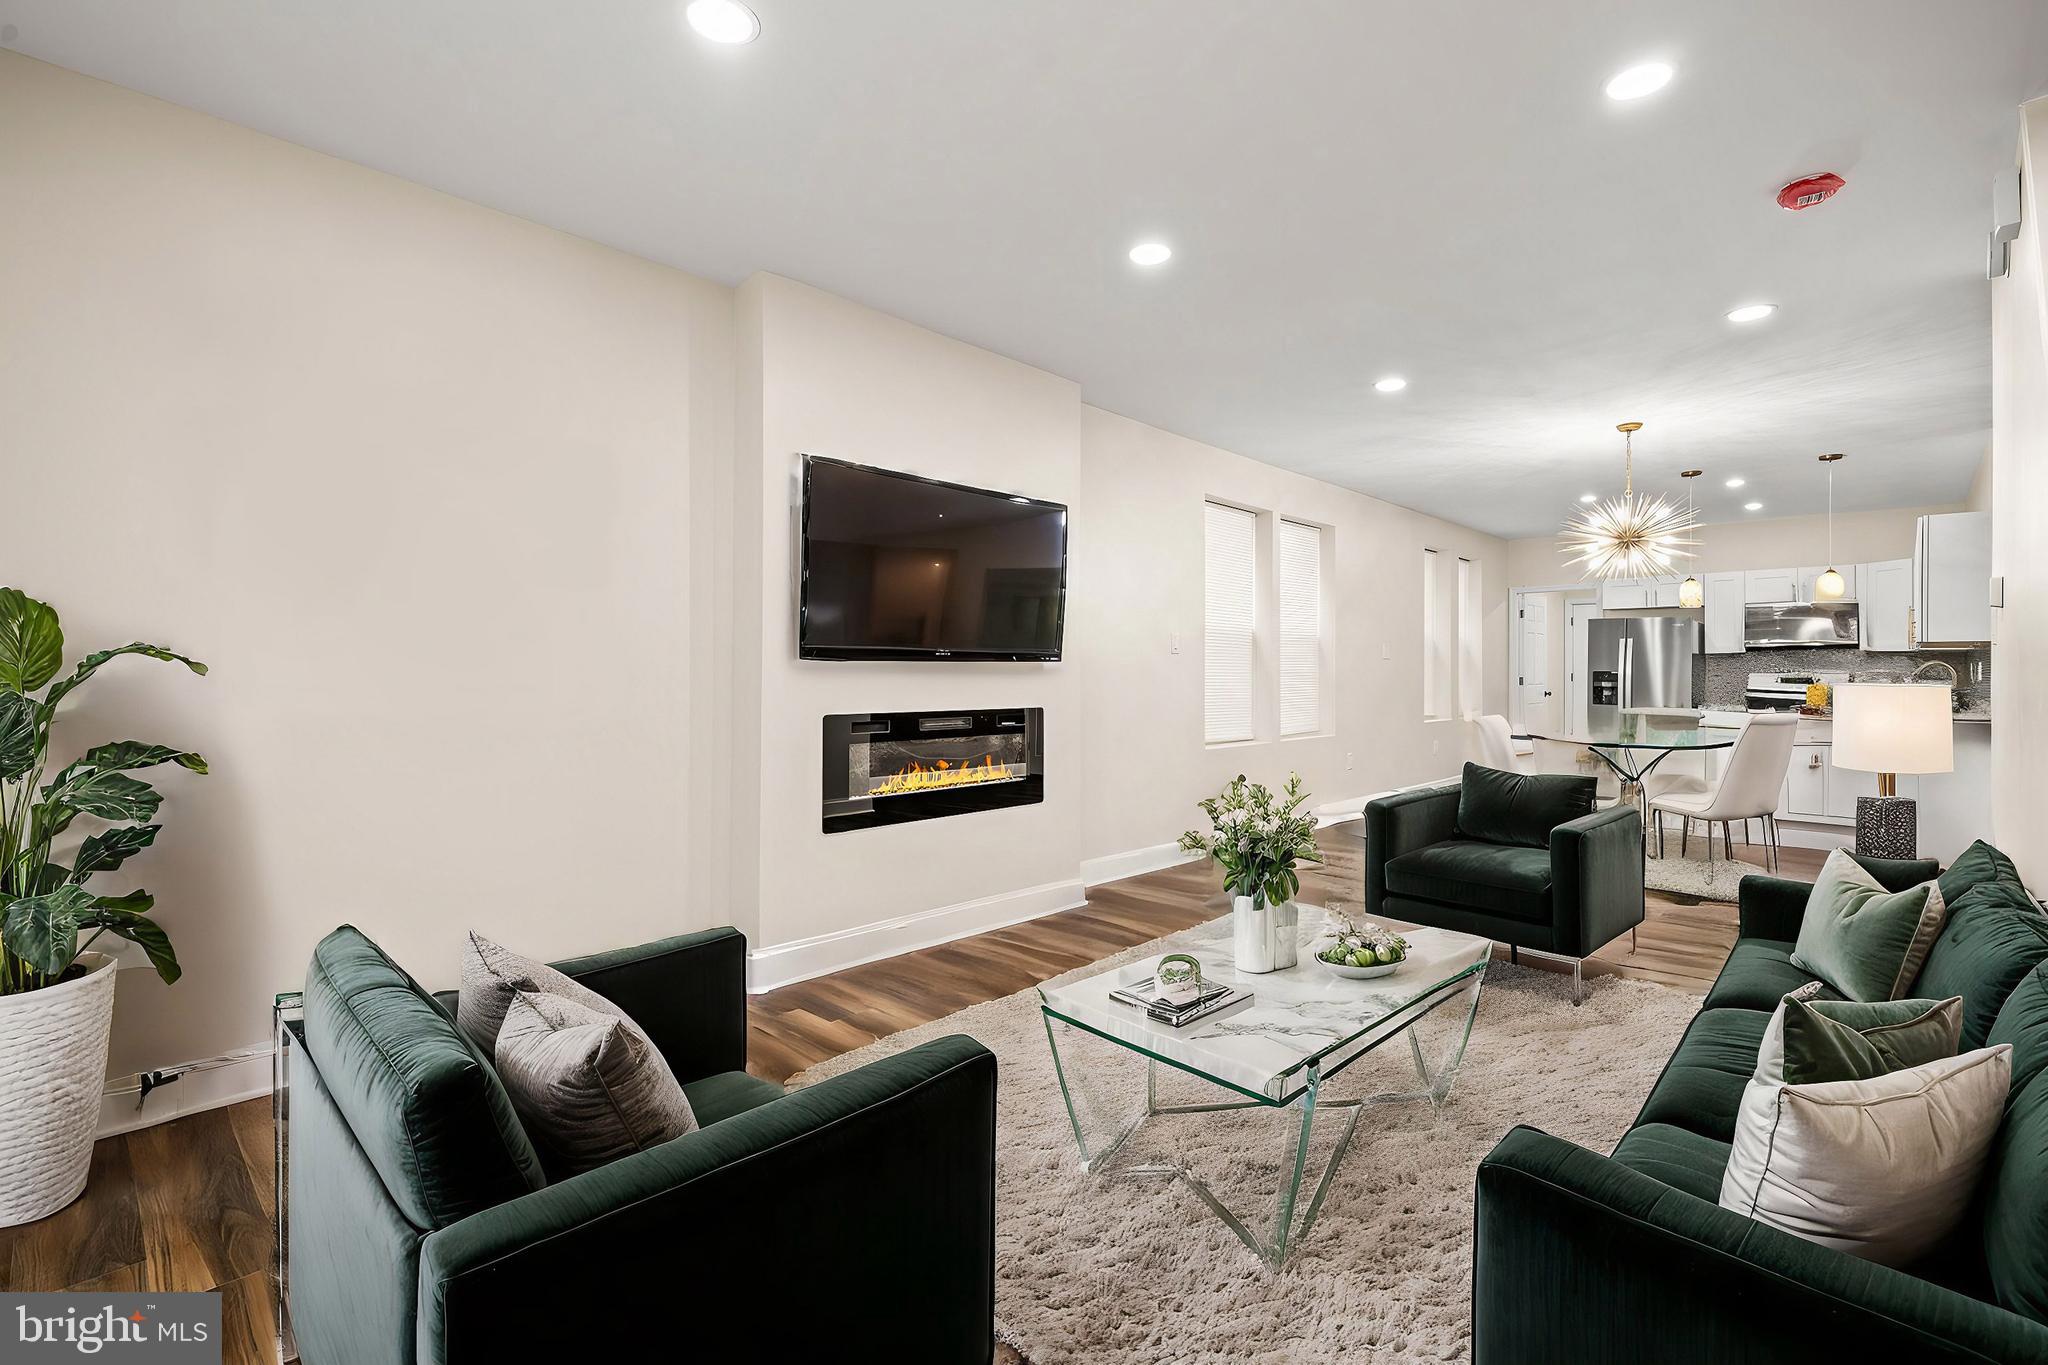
[
  {"x": 856, "y": 1215},
  {"x": 1534, "y": 869}
]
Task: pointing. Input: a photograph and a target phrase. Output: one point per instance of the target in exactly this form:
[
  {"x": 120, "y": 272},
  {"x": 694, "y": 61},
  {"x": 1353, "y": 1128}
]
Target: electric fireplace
[{"x": 886, "y": 768}]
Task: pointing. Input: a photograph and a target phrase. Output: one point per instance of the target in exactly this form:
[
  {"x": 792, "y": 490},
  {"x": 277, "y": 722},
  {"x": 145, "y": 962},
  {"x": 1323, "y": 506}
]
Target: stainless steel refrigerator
[{"x": 1639, "y": 661}]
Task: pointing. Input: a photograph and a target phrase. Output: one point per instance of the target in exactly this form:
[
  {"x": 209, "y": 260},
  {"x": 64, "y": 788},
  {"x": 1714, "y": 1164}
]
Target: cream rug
[
  {"x": 1142, "y": 1273},
  {"x": 1693, "y": 875}
]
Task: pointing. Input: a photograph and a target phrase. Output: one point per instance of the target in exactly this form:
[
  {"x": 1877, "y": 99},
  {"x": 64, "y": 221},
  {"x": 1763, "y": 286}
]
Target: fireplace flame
[{"x": 940, "y": 773}]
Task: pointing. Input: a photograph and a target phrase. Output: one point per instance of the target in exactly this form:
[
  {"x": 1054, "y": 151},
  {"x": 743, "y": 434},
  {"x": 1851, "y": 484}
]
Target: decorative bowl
[{"x": 1352, "y": 973}]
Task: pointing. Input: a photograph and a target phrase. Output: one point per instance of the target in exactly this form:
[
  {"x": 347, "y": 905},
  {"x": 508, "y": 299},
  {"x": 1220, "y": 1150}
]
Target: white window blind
[
  {"x": 1230, "y": 544},
  {"x": 1469, "y": 648},
  {"x": 1301, "y": 628},
  {"x": 1430, "y": 645}
]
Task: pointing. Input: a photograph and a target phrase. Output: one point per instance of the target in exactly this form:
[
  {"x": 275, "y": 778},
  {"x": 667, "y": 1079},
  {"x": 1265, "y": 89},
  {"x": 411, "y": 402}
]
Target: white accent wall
[{"x": 487, "y": 532}]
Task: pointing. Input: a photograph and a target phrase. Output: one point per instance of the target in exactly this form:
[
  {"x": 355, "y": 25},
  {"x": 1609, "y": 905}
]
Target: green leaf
[
  {"x": 31, "y": 642},
  {"x": 110, "y": 796},
  {"x": 20, "y": 733},
  {"x": 90, "y": 665},
  {"x": 139, "y": 929},
  {"x": 134, "y": 903},
  {"x": 43, "y": 930},
  {"x": 129, "y": 754},
  {"x": 107, "y": 851}
]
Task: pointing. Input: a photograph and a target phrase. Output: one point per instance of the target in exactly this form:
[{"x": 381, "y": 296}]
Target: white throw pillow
[{"x": 1880, "y": 1168}]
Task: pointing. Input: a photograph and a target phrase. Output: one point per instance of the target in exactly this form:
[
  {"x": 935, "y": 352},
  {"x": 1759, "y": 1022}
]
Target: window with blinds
[
  {"x": 1431, "y": 645},
  {"x": 1470, "y": 658},
  {"x": 1230, "y": 556},
  {"x": 1301, "y": 628}
]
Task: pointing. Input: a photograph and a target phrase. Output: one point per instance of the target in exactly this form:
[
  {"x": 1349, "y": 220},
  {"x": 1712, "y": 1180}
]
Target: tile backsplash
[{"x": 1726, "y": 676}]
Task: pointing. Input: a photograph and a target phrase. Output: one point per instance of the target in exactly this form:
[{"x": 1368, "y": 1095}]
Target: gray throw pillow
[
  {"x": 1866, "y": 942},
  {"x": 493, "y": 973},
  {"x": 588, "y": 1084}
]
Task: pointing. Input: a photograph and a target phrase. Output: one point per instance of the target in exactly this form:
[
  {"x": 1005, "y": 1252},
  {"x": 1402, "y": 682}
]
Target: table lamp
[{"x": 1888, "y": 729}]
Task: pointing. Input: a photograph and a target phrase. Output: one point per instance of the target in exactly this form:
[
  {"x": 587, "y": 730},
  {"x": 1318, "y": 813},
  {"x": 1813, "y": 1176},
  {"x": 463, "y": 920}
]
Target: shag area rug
[
  {"x": 1141, "y": 1272},
  {"x": 1692, "y": 874}
]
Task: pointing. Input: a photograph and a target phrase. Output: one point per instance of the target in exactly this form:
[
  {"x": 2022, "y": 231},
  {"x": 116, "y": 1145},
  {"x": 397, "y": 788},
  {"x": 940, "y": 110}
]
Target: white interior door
[
  {"x": 1538, "y": 705},
  {"x": 1577, "y": 614}
]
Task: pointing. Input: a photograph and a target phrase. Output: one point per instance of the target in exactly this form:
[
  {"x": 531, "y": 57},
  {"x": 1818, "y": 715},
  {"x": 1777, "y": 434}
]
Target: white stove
[{"x": 1785, "y": 691}]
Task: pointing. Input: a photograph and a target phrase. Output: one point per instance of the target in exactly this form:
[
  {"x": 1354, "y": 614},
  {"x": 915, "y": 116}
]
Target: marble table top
[{"x": 1264, "y": 1045}]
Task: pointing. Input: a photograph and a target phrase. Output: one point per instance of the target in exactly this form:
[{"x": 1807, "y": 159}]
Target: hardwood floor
[{"x": 188, "y": 1204}]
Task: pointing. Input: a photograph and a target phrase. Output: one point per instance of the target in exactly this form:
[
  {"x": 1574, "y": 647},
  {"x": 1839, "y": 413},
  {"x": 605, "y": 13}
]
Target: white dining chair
[
  {"x": 1748, "y": 789},
  {"x": 1498, "y": 748}
]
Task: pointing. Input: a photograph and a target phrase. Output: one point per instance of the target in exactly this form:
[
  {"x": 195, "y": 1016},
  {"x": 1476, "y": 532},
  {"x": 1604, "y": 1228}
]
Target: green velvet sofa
[
  {"x": 1629, "y": 1257},
  {"x": 853, "y": 1219},
  {"x": 1565, "y": 888}
]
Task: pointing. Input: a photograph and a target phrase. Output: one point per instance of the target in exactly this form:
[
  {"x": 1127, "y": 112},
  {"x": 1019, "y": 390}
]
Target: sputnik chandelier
[{"x": 1628, "y": 536}]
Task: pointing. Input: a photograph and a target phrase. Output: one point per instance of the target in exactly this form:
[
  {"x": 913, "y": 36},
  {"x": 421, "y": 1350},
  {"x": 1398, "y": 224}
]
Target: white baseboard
[
  {"x": 1136, "y": 862},
  {"x": 1816, "y": 836},
  {"x": 785, "y": 963},
  {"x": 219, "y": 1081}
]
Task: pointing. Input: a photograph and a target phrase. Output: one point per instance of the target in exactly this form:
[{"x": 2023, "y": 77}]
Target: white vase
[
  {"x": 53, "y": 1068},
  {"x": 1264, "y": 937}
]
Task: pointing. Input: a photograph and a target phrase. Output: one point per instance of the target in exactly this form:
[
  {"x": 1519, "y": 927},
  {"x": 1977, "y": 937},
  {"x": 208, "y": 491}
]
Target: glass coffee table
[{"x": 1272, "y": 1058}]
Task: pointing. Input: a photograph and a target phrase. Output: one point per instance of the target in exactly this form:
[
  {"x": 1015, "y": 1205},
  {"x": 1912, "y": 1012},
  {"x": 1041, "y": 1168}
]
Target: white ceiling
[{"x": 1351, "y": 189}]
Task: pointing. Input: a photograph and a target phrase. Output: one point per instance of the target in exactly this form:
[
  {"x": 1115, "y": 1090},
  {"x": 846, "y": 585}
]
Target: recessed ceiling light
[
  {"x": 723, "y": 21},
  {"x": 1639, "y": 81},
  {"x": 1752, "y": 507},
  {"x": 1151, "y": 253},
  {"x": 1752, "y": 312},
  {"x": 1589, "y": 497},
  {"x": 1393, "y": 383},
  {"x": 1735, "y": 482}
]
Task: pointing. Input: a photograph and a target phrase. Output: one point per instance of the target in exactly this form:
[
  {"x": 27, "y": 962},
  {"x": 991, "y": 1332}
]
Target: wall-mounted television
[{"x": 895, "y": 566}]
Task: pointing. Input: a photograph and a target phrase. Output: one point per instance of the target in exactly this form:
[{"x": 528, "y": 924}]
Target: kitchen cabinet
[
  {"x": 1724, "y": 615},
  {"x": 1952, "y": 579},
  {"x": 1886, "y": 602},
  {"x": 1809, "y": 581},
  {"x": 1762, "y": 587},
  {"x": 1664, "y": 591},
  {"x": 1619, "y": 594},
  {"x": 1815, "y": 789}
]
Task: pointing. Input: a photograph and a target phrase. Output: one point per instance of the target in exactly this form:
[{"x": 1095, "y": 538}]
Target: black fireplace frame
[{"x": 840, "y": 812}]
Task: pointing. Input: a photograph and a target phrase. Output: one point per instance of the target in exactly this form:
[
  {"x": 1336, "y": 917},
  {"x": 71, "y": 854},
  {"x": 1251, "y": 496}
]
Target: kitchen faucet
[{"x": 1955, "y": 679}]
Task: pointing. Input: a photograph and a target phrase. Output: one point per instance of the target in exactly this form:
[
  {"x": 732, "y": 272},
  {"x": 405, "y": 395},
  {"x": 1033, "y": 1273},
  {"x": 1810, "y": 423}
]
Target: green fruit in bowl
[{"x": 1387, "y": 955}]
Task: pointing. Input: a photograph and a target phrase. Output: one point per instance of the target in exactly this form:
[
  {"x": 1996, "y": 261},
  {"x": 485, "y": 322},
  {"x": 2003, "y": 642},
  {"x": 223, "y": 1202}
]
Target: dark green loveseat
[
  {"x": 853, "y": 1219},
  {"x": 1629, "y": 1257}
]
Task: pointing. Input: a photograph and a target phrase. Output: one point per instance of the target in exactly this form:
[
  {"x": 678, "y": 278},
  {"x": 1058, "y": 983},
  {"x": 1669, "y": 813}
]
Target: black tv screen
[{"x": 900, "y": 567}]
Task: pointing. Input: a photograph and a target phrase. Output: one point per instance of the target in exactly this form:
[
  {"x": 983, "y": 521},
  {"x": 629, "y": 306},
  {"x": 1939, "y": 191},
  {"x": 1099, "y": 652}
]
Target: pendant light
[
  {"x": 1628, "y": 536},
  {"x": 1830, "y": 587},
  {"x": 1691, "y": 593}
]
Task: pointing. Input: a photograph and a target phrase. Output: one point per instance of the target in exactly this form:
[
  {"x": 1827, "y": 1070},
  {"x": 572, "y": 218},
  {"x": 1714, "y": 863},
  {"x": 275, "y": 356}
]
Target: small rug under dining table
[{"x": 1092, "y": 1271}]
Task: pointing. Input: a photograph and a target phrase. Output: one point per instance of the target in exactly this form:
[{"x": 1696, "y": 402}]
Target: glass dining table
[{"x": 1632, "y": 744}]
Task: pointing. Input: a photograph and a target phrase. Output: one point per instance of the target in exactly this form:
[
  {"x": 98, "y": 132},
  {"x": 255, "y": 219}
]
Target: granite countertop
[{"x": 1975, "y": 715}]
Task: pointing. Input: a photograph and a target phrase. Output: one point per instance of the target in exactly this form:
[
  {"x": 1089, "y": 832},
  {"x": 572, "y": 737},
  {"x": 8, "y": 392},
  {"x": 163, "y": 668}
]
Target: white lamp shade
[{"x": 1894, "y": 728}]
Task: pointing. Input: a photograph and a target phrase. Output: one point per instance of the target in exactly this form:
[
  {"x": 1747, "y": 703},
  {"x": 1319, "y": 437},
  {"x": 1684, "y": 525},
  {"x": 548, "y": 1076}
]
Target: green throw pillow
[
  {"x": 1979, "y": 863},
  {"x": 1855, "y": 1040},
  {"x": 1866, "y": 942}
]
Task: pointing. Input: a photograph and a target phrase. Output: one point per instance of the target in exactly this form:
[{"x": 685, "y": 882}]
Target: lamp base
[{"x": 1887, "y": 826}]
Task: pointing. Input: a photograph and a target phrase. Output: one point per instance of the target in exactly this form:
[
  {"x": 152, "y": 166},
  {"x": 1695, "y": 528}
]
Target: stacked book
[{"x": 1144, "y": 995}]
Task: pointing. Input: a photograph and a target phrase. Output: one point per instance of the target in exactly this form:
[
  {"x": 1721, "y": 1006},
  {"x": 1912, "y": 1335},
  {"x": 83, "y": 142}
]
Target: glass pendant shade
[
  {"x": 1690, "y": 593},
  {"x": 1829, "y": 587}
]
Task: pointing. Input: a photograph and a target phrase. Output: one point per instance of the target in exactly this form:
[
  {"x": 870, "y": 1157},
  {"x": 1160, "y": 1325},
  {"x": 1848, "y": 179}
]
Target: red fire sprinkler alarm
[{"x": 1813, "y": 189}]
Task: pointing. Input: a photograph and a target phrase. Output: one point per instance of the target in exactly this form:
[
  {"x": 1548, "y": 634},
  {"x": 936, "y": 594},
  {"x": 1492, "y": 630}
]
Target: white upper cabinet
[
  {"x": 1887, "y": 604},
  {"x": 1724, "y": 611},
  {"x": 1619, "y": 594},
  {"x": 1952, "y": 579},
  {"x": 1809, "y": 579},
  {"x": 1765, "y": 586}
]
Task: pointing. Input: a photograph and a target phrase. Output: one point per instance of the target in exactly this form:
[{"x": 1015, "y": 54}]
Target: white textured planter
[
  {"x": 53, "y": 1068},
  {"x": 1264, "y": 938}
]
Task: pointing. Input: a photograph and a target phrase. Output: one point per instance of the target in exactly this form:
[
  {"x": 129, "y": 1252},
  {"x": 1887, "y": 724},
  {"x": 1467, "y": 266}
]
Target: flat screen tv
[{"x": 901, "y": 567}]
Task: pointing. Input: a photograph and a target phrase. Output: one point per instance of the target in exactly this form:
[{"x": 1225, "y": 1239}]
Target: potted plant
[
  {"x": 56, "y": 994},
  {"x": 1257, "y": 838}
]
